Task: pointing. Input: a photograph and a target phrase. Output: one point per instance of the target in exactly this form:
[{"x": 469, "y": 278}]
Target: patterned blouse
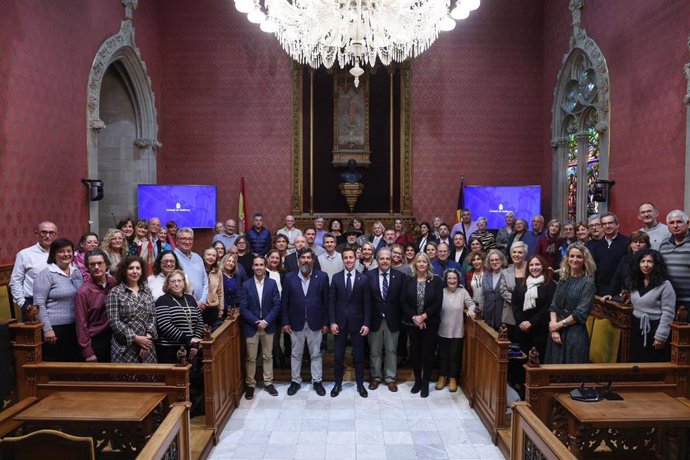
[{"x": 131, "y": 314}]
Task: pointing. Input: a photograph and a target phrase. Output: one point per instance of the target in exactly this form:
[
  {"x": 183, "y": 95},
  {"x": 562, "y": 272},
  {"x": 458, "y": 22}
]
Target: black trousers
[
  {"x": 66, "y": 349},
  {"x": 449, "y": 357},
  {"x": 101, "y": 345},
  {"x": 357, "y": 353},
  {"x": 422, "y": 348}
]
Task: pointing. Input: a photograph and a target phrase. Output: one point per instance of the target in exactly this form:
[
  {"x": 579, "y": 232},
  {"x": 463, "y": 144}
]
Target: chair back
[{"x": 46, "y": 444}]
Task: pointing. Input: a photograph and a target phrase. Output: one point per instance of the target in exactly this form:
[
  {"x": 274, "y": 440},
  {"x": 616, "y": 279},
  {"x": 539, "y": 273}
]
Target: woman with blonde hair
[
  {"x": 232, "y": 283},
  {"x": 494, "y": 288},
  {"x": 212, "y": 312},
  {"x": 421, "y": 297},
  {"x": 568, "y": 342},
  {"x": 114, "y": 244}
]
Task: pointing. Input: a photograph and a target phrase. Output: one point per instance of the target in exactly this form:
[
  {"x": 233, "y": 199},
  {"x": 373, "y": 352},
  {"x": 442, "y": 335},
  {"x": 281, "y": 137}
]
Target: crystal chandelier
[{"x": 355, "y": 32}]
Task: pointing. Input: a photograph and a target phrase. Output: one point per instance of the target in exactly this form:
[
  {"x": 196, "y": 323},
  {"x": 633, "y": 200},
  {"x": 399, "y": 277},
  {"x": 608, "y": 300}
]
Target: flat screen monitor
[
  {"x": 493, "y": 202},
  {"x": 188, "y": 205}
]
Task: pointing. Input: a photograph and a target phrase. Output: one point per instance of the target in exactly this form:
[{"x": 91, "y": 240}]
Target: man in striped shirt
[{"x": 676, "y": 253}]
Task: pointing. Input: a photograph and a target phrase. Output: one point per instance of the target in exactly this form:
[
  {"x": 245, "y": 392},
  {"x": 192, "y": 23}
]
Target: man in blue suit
[
  {"x": 304, "y": 308},
  {"x": 349, "y": 311},
  {"x": 259, "y": 308},
  {"x": 385, "y": 285}
]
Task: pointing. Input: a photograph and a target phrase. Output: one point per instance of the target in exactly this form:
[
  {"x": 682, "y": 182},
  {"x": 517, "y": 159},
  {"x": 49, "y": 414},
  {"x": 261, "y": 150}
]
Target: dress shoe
[
  {"x": 374, "y": 384},
  {"x": 425, "y": 390},
  {"x": 392, "y": 386},
  {"x": 320, "y": 390},
  {"x": 271, "y": 390},
  {"x": 249, "y": 394},
  {"x": 441, "y": 383},
  {"x": 293, "y": 388},
  {"x": 453, "y": 385},
  {"x": 337, "y": 388},
  {"x": 416, "y": 387},
  {"x": 362, "y": 391}
]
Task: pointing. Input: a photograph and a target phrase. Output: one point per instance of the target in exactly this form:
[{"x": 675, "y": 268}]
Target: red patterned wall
[
  {"x": 645, "y": 48},
  {"x": 227, "y": 107},
  {"x": 477, "y": 106},
  {"x": 46, "y": 52},
  {"x": 482, "y": 99}
]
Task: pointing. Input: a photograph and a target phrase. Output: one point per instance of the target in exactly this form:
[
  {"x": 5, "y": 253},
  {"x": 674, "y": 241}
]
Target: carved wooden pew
[
  {"x": 609, "y": 325},
  {"x": 545, "y": 381},
  {"x": 485, "y": 374}
]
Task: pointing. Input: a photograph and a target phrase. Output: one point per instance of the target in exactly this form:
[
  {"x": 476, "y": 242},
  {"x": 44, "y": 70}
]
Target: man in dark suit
[
  {"x": 349, "y": 311},
  {"x": 291, "y": 262},
  {"x": 385, "y": 285},
  {"x": 259, "y": 308},
  {"x": 304, "y": 308}
]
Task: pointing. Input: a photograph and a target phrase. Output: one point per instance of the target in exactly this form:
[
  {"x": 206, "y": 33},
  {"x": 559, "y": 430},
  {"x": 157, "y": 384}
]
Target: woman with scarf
[{"x": 530, "y": 303}]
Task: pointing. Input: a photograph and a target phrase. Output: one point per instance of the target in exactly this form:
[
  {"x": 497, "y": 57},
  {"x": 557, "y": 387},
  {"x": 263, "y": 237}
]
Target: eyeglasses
[
  {"x": 176, "y": 281},
  {"x": 47, "y": 233},
  {"x": 595, "y": 225},
  {"x": 185, "y": 240}
]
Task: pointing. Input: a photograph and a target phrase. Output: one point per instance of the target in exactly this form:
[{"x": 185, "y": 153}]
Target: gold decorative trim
[{"x": 297, "y": 161}]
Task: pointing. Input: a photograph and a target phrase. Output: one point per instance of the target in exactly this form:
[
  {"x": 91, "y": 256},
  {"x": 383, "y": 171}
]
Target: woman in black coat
[
  {"x": 421, "y": 304},
  {"x": 531, "y": 310}
]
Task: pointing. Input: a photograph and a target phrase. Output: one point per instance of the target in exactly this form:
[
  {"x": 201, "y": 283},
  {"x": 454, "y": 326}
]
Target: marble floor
[{"x": 385, "y": 425}]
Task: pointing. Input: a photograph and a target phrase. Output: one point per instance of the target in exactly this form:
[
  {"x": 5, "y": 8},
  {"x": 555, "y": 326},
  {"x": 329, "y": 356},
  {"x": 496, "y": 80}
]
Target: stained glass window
[{"x": 581, "y": 140}]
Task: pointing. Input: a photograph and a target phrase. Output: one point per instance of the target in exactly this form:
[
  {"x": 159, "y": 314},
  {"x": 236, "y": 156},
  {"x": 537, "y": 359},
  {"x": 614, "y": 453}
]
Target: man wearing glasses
[
  {"x": 608, "y": 252},
  {"x": 192, "y": 264},
  {"x": 29, "y": 263}
]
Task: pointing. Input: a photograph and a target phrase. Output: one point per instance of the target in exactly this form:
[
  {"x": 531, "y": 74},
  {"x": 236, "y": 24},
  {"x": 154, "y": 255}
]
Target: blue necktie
[
  {"x": 349, "y": 283},
  {"x": 384, "y": 287}
]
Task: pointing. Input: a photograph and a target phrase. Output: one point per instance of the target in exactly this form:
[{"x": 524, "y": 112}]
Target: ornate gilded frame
[{"x": 299, "y": 176}]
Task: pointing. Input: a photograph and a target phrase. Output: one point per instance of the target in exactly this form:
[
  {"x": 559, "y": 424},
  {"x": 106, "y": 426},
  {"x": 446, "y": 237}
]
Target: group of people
[{"x": 141, "y": 294}]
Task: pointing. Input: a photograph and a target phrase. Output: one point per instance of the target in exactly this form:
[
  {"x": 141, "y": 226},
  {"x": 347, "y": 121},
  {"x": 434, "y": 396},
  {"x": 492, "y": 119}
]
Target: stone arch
[
  {"x": 582, "y": 49},
  {"x": 120, "y": 49}
]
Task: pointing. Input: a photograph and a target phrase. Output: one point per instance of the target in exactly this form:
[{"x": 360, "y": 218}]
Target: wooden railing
[
  {"x": 546, "y": 381},
  {"x": 532, "y": 439},
  {"x": 223, "y": 381},
  {"x": 172, "y": 439},
  {"x": 485, "y": 374},
  {"x": 39, "y": 379}
]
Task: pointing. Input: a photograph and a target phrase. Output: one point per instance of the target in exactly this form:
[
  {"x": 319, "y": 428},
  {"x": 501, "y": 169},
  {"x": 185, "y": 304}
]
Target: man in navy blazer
[
  {"x": 304, "y": 307},
  {"x": 349, "y": 312},
  {"x": 259, "y": 308},
  {"x": 385, "y": 285}
]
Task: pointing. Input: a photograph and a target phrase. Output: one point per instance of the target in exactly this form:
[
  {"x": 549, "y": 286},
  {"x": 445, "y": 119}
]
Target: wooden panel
[
  {"x": 173, "y": 436},
  {"x": 485, "y": 374},
  {"x": 530, "y": 437},
  {"x": 223, "y": 382}
]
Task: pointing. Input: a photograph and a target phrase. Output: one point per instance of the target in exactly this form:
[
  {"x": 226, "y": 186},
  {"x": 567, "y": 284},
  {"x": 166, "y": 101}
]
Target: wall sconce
[
  {"x": 601, "y": 190},
  {"x": 95, "y": 188}
]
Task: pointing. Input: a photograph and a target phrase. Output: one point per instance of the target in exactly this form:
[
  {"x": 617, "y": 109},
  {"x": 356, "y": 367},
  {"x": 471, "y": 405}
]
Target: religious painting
[{"x": 351, "y": 121}]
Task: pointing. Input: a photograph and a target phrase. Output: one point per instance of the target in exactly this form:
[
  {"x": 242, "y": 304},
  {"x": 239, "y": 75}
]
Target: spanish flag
[
  {"x": 242, "y": 210},
  {"x": 461, "y": 200}
]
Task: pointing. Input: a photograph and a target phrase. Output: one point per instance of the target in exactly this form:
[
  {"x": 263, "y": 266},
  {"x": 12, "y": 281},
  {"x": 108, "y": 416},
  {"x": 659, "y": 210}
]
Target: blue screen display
[
  {"x": 189, "y": 205},
  {"x": 493, "y": 202}
]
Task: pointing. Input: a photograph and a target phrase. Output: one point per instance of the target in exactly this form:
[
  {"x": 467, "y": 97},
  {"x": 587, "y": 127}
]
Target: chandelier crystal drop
[{"x": 355, "y": 33}]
